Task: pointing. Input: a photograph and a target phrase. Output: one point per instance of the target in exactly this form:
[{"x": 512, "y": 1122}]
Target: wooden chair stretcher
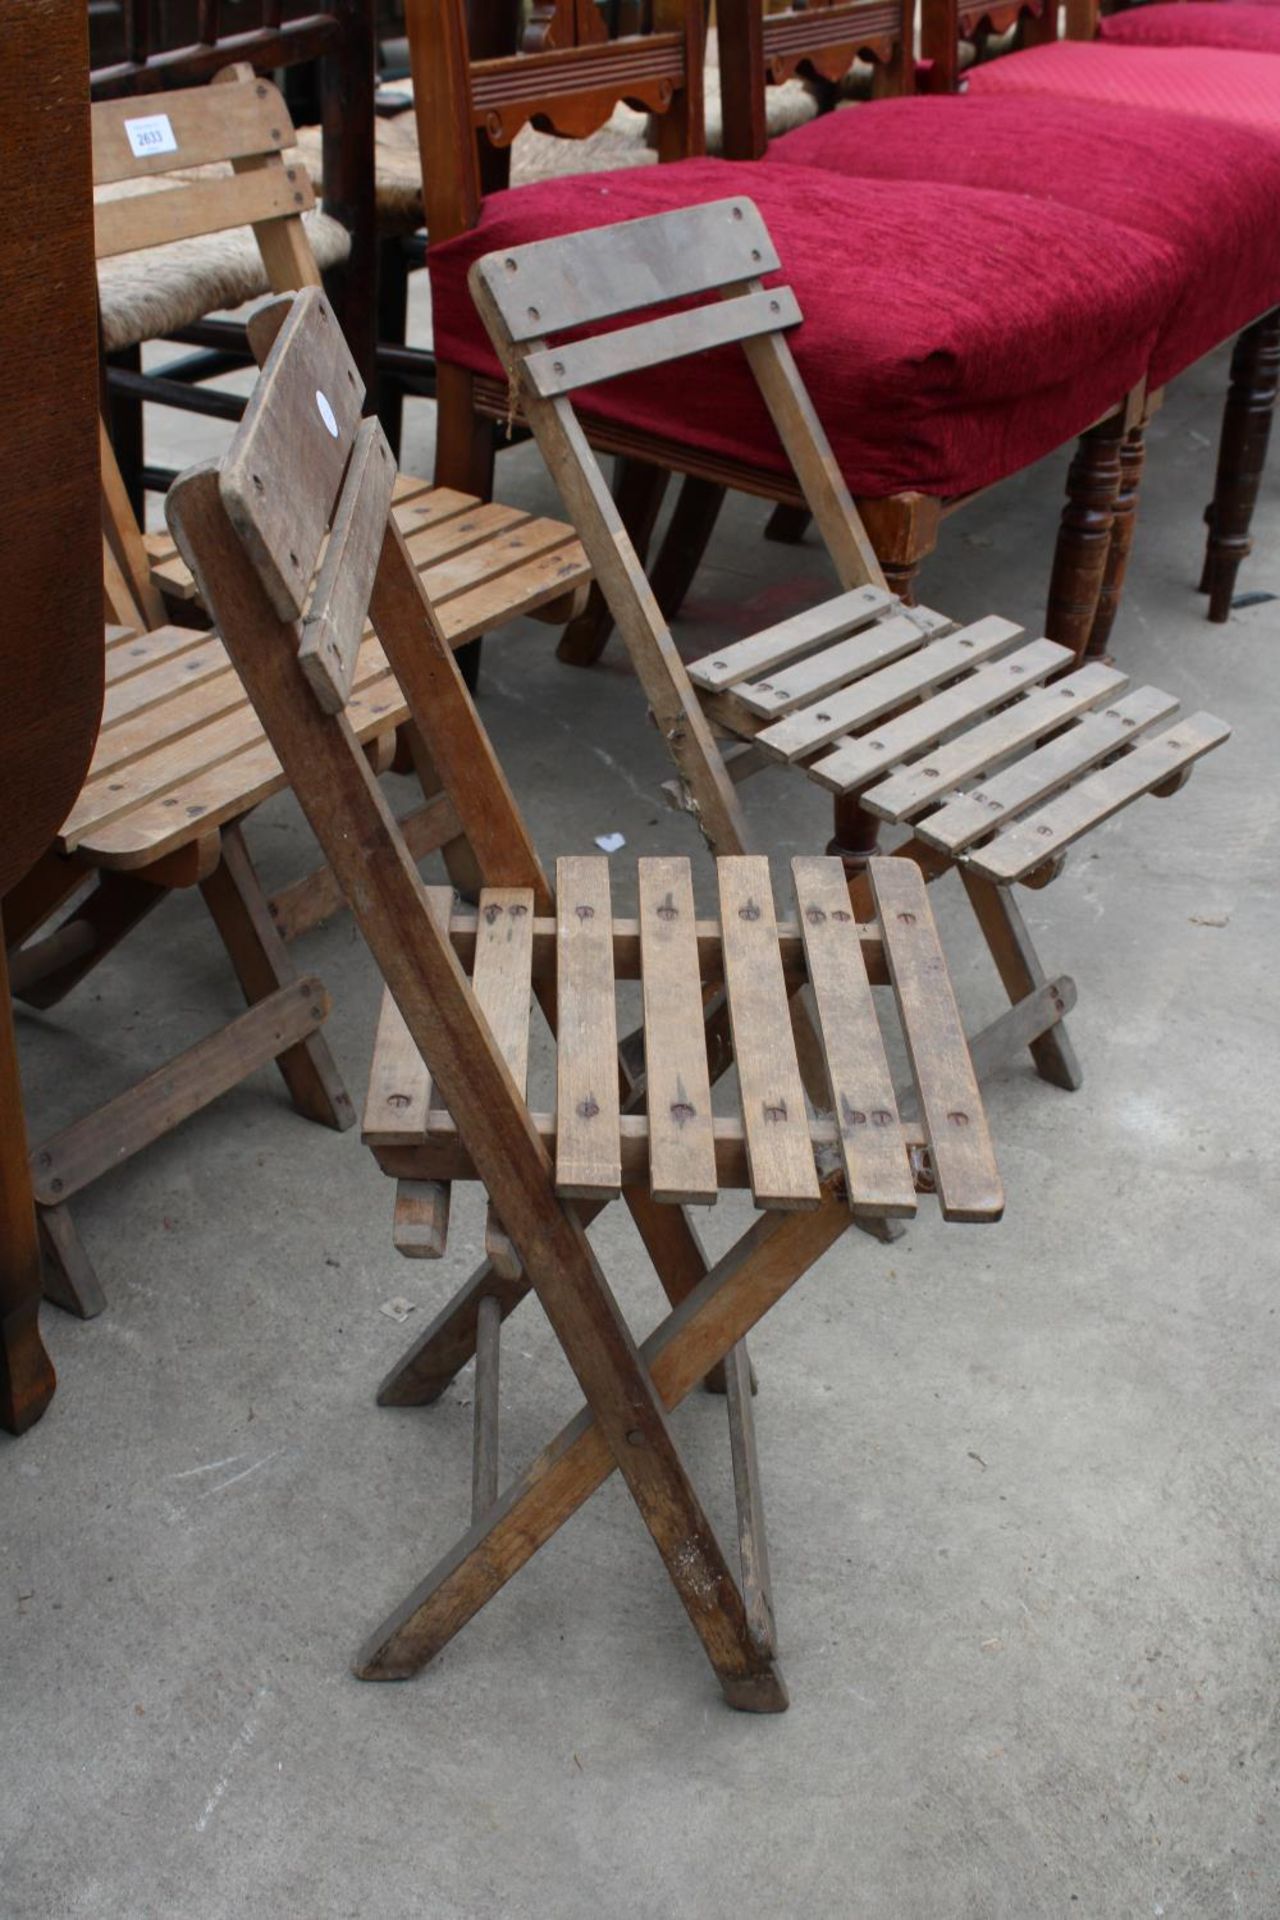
[
  {"x": 448, "y": 1093},
  {"x": 971, "y": 734}
]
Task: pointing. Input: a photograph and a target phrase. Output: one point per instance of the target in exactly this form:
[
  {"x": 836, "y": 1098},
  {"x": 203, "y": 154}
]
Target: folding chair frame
[{"x": 244, "y": 528}]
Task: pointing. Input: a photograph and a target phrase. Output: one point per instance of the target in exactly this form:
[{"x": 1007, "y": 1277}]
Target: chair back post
[
  {"x": 470, "y": 108},
  {"x": 761, "y": 46},
  {"x": 945, "y": 24}
]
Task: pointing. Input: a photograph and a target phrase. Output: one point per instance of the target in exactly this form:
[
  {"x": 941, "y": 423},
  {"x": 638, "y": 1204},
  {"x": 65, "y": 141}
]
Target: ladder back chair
[
  {"x": 181, "y": 761},
  {"x": 448, "y": 1092},
  {"x": 996, "y": 755},
  {"x": 321, "y": 54}
]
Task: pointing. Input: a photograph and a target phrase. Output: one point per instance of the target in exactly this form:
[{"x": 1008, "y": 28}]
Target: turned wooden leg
[
  {"x": 856, "y": 834},
  {"x": 1084, "y": 537},
  {"x": 900, "y": 578},
  {"x": 684, "y": 543},
  {"x": 27, "y": 1378},
  {"x": 1133, "y": 453},
  {"x": 638, "y": 491},
  {"x": 1242, "y": 455}
]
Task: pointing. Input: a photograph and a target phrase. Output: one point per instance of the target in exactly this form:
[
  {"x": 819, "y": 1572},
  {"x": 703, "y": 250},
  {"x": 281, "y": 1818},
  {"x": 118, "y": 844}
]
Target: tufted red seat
[
  {"x": 1209, "y": 82},
  {"x": 1212, "y": 192},
  {"x": 1242, "y": 25},
  {"x": 950, "y": 337}
]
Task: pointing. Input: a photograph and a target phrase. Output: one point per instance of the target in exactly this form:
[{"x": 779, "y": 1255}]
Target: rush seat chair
[{"x": 453, "y": 1042}]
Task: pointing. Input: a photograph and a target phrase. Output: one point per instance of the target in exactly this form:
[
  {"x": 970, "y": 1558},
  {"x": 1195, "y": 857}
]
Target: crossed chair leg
[
  {"x": 707, "y": 1325},
  {"x": 286, "y": 1010}
]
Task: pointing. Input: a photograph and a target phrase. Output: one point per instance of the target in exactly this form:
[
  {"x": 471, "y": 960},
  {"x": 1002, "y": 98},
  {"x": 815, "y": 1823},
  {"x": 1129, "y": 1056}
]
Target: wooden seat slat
[
  {"x": 153, "y": 686},
  {"x": 132, "y": 653},
  {"x": 489, "y": 561},
  {"x": 955, "y": 1123},
  {"x": 182, "y": 712},
  {"x": 223, "y": 792},
  {"x": 398, "y": 1097},
  {"x": 1042, "y": 711},
  {"x": 1040, "y": 836},
  {"x": 174, "y": 760},
  {"x": 790, "y": 639},
  {"x": 588, "y": 1163},
  {"x": 877, "y": 1168},
  {"x": 502, "y": 981},
  {"x": 821, "y": 673},
  {"x": 440, "y": 538},
  {"x": 1039, "y": 774},
  {"x": 866, "y": 700},
  {"x": 532, "y": 584},
  {"x": 775, "y": 1119},
  {"x": 854, "y": 762},
  {"x": 682, "y": 1161}
]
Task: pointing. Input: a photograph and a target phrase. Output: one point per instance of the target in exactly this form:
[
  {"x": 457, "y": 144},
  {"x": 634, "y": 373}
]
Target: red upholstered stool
[
  {"x": 951, "y": 335},
  {"x": 1209, "y": 191},
  {"x": 1243, "y": 25}
]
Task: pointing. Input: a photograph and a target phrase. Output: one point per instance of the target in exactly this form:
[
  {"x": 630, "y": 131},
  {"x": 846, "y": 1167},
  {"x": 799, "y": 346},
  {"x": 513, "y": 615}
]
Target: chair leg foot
[
  {"x": 787, "y": 525},
  {"x": 1242, "y": 456}
]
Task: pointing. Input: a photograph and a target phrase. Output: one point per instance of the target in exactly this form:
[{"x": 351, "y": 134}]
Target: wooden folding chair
[
  {"x": 179, "y": 765},
  {"x": 988, "y": 770},
  {"x": 449, "y": 1072}
]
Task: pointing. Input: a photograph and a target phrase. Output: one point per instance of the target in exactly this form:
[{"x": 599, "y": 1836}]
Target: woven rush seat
[
  {"x": 152, "y": 293},
  {"x": 181, "y": 749},
  {"x": 771, "y": 1143},
  {"x": 952, "y": 728}
]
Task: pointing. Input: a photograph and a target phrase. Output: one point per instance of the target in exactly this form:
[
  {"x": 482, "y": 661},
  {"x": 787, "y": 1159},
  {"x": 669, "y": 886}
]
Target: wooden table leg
[{"x": 27, "y": 1378}]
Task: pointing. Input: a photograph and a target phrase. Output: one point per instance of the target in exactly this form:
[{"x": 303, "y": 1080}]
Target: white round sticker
[{"x": 327, "y": 413}]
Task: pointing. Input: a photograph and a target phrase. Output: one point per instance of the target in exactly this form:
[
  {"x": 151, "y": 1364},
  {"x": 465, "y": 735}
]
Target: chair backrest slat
[
  {"x": 674, "y": 336},
  {"x": 335, "y": 619},
  {"x": 583, "y": 278},
  {"x": 281, "y": 475},
  {"x": 191, "y": 127},
  {"x": 203, "y": 206}
]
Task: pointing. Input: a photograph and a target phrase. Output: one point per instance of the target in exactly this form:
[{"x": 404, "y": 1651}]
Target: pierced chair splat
[{"x": 447, "y": 1097}]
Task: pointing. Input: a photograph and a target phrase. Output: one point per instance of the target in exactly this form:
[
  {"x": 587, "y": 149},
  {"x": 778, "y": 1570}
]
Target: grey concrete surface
[{"x": 1022, "y": 1479}]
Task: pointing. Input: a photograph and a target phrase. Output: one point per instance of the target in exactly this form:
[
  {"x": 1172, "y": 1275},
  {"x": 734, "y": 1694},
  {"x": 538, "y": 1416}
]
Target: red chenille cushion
[
  {"x": 1196, "y": 23},
  {"x": 950, "y": 336},
  {"x": 1209, "y": 82},
  {"x": 1211, "y": 191}
]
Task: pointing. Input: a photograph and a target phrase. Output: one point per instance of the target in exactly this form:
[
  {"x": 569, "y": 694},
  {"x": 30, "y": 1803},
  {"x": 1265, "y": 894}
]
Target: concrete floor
[{"x": 1022, "y": 1479}]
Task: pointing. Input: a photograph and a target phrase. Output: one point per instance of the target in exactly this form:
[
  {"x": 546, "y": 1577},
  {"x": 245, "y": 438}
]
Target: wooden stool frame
[{"x": 248, "y": 528}]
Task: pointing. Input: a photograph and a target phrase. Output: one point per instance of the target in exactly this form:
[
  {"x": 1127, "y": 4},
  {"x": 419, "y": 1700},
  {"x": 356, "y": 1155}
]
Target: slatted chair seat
[
  {"x": 772, "y": 1143},
  {"x": 462, "y": 986},
  {"x": 181, "y": 749},
  {"x": 974, "y": 734}
]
